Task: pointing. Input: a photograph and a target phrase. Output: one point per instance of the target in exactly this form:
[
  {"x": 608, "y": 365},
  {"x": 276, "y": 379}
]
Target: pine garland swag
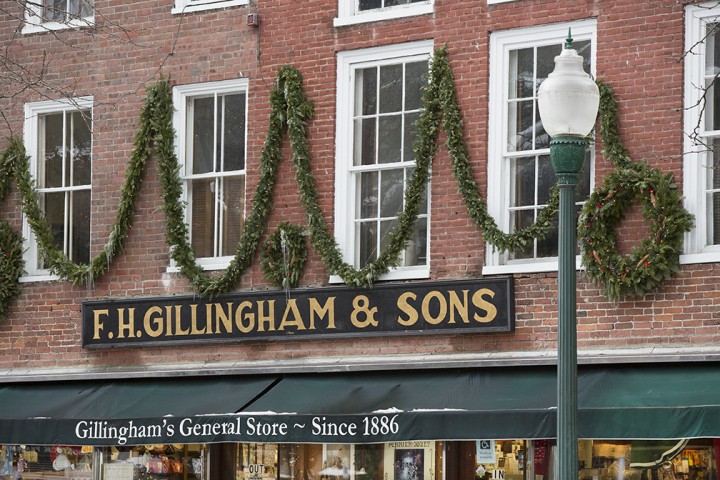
[
  {"x": 657, "y": 257},
  {"x": 290, "y": 113}
]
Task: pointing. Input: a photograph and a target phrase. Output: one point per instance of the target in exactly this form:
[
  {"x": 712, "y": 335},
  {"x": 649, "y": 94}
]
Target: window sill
[
  {"x": 40, "y": 277},
  {"x": 538, "y": 266},
  {"x": 702, "y": 257},
  {"x": 388, "y": 14},
  {"x": 207, "y": 6},
  {"x": 407, "y": 273},
  {"x": 31, "y": 27},
  {"x": 207, "y": 264}
]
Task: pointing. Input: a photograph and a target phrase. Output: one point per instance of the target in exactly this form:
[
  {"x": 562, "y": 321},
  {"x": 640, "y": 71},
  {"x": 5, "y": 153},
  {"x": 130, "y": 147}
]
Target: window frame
[
  {"x": 695, "y": 176},
  {"x": 349, "y": 14},
  {"x": 188, "y": 6},
  {"x": 34, "y": 23},
  {"x": 347, "y": 62},
  {"x": 181, "y": 95},
  {"x": 31, "y": 137},
  {"x": 498, "y": 192}
]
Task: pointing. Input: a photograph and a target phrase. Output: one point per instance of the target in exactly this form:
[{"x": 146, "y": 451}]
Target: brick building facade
[{"x": 659, "y": 58}]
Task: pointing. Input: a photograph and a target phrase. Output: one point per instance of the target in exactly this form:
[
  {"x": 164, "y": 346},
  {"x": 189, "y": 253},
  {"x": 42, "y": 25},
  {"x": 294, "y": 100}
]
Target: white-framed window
[
  {"x": 520, "y": 175},
  {"x": 44, "y": 15},
  {"x": 351, "y": 12},
  {"x": 210, "y": 122},
  {"x": 701, "y": 164},
  {"x": 379, "y": 98},
  {"x": 58, "y": 140},
  {"x": 187, "y": 6}
]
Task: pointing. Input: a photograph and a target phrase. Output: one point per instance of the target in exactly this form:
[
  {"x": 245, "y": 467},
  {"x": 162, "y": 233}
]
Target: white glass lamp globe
[{"x": 568, "y": 99}]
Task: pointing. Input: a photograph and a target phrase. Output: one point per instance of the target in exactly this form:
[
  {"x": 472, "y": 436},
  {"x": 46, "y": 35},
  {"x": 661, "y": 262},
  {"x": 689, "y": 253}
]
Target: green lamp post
[{"x": 568, "y": 103}]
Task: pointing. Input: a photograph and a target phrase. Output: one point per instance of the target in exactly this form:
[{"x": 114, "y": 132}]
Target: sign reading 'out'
[{"x": 482, "y": 305}]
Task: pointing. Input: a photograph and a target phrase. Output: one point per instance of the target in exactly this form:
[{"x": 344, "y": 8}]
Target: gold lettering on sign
[
  {"x": 97, "y": 323},
  {"x": 153, "y": 322},
  {"x": 407, "y": 309},
  {"x": 327, "y": 309},
  {"x": 266, "y": 318},
  {"x": 437, "y": 320},
  {"x": 292, "y": 307},
  {"x": 222, "y": 316},
  {"x": 240, "y": 318},
  {"x": 126, "y": 326},
  {"x": 361, "y": 305},
  {"x": 459, "y": 306},
  {"x": 481, "y": 303},
  {"x": 194, "y": 329}
]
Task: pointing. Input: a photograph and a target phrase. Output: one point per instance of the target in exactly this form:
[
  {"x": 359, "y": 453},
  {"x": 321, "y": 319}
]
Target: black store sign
[{"x": 481, "y": 305}]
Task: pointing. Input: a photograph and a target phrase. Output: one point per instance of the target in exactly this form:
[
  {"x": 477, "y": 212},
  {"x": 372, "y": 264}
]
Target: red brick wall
[{"x": 639, "y": 50}]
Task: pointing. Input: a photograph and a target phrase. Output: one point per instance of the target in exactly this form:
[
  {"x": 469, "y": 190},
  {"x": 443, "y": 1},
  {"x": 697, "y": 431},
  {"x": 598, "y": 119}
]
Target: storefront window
[
  {"x": 410, "y": 460},
  {"x": 599, "y": 460}
]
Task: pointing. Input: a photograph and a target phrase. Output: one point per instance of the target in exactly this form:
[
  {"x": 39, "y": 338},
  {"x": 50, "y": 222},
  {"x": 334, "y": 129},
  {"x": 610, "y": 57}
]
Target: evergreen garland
[
  {"x": 657, "y": 257},
  {"x": 290, "y": 112}
]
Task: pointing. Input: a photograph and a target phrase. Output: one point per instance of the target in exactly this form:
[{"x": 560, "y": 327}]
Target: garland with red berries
[{"x": 656, "y": 258}]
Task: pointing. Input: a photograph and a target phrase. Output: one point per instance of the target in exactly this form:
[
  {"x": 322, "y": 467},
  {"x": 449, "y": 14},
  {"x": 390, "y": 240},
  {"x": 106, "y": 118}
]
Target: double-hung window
[
  {"x": 58, "y": 139},
  {"x": 520, "y": 175},
  {"x": 210, "y": 122},
  {"x": 187, "y": 6},
  {"x": 360, "y": 11},
  {"x": 701, "y": 168},
  {"x": 42, "y": 15},
  {"x": 379, "y": 100}
]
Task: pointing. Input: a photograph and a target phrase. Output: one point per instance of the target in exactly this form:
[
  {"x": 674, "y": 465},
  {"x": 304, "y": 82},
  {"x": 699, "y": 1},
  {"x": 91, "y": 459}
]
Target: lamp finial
[{"x": 569, "y": 39}]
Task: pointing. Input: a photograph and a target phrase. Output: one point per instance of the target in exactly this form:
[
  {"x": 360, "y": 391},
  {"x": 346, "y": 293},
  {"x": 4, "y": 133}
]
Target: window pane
[
  {"x": 415, "y": 79},
  {"x": 583, "y": 49},
  {"x": 410, "y": 136},
  {"x": 521, "y": 73},
  {"x": 389, "y": 138},
  {"x": 80, "y": 208},
  {"x": 233, "y": 213},
  {"x": 54, "y": 10},
  {"x": 51, "y": 150},
  {"x": 368, "y": 202},
  {"x": 391, "y": 88},
  {"x": 73, "y": 8},
  {"x": 234, "y": 132},
  {"x": 369, "y": 4},
  {"x": 546, "y": 180},
  {"x": 546, "y": 61},
  {"x": 520, "y": 128},
  {"x": 391, "y": 192},
  {"x": 366, "y": 91},
  {"x": 364, "y": 142},
  {"x": 524, "y": 174},
  {"x": 202, "y": 193},
  {"x": 386, "y": 226},
  {"x": 54, "y": 207},
  {"x": 416, "y": 249},
  {"x": 86, "y": 8},
  {"x": 81, "y": 147},
  {"x": 203, "y": 140},
  {"x": 520, "y": 219},
  {"x": 367, "y": 242},
  {"x": 548, "y": 247}
]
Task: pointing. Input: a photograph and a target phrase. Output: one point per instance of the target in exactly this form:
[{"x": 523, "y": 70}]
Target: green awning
[{"x": 656, "y": 401}]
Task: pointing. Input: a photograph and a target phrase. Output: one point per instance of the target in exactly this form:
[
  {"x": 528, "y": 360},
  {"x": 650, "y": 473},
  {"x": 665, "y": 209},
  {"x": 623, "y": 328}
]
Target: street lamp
[{"x": 568, "y": 103}]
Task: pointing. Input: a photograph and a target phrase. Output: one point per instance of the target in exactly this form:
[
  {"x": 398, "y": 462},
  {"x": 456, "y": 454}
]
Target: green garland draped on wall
[{"x": 290, "y": 113}]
